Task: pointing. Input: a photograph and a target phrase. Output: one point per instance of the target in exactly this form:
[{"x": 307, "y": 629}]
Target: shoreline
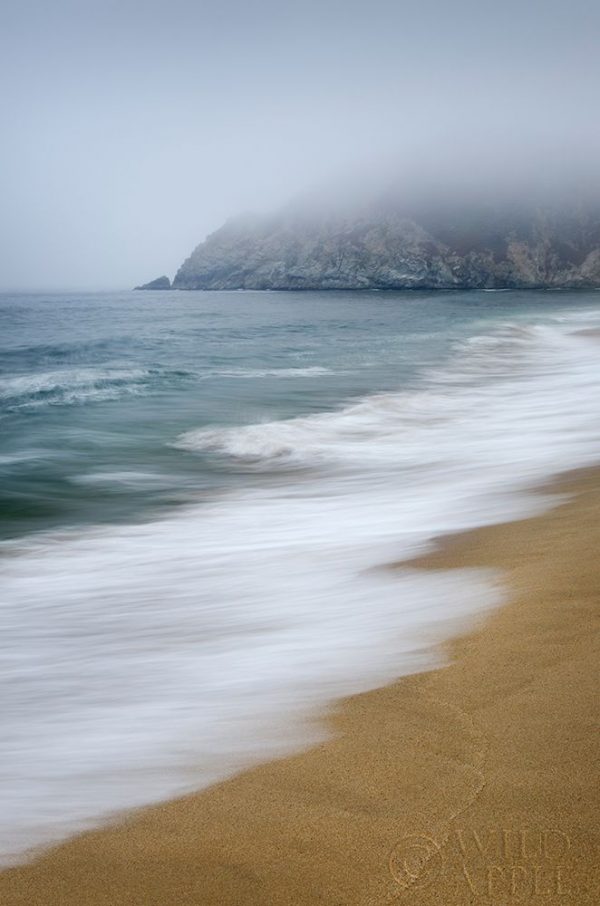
[{"x": 470, "y": 782}]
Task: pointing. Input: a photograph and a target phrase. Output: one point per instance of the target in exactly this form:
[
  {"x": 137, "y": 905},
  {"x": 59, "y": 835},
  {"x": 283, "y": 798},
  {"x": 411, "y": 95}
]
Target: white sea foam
[
  {"x": 72, "y": 385},
  {"x": 312, "y": 371},
  {"x": 156, "y": 658}
]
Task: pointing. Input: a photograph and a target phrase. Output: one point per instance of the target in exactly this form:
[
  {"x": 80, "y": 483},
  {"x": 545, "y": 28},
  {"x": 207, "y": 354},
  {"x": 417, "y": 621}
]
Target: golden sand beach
[{"x": 473, "y": 783}]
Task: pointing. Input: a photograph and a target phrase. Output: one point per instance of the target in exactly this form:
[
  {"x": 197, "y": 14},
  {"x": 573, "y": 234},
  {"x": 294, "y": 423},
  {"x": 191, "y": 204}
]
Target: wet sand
[{"x": 473, "y": 783}]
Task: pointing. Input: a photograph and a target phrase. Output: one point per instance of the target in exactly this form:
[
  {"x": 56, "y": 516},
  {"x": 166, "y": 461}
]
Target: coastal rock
[
  {"x": 387, "y": 247},
  {"x": 160, "y": 283}
]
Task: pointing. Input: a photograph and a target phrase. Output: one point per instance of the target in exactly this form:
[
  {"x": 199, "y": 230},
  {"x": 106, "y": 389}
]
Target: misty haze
[{"x": 134, "y": 130}]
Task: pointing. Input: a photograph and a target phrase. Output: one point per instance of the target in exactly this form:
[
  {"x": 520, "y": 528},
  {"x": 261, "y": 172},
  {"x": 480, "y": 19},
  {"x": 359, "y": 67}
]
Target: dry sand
[{"x": 474, "y": 783}]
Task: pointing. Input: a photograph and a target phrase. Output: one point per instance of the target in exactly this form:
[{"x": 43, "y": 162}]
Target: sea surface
[{"x": 199, "y": 497}]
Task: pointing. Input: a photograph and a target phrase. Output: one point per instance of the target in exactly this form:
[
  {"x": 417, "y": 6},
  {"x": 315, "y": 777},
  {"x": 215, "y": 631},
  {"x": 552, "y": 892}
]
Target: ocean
[{"x": 201, "y": 494}]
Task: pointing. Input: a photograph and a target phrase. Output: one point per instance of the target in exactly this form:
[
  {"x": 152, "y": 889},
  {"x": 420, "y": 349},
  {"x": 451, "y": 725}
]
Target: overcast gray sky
[{"x": 131, "y": 129}]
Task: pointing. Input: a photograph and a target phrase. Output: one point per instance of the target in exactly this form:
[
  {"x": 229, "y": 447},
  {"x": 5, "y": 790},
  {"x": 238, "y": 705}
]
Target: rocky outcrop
[
  {"x": 386, "y": 247},
  {"x": 160, "y": 283}
]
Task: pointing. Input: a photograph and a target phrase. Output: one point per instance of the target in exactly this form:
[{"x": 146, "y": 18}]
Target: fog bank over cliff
[{"x": 477, "y": 222}]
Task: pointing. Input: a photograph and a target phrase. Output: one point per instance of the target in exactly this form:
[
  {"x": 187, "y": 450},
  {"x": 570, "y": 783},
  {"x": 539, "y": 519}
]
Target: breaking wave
[
  {"x": 525, "y": 384},
  {"x": 68, "y": 386}
]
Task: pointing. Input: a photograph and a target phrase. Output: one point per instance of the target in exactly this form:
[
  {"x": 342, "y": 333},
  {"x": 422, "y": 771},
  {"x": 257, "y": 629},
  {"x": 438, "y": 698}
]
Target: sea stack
[{"x": 160, "y": 283}]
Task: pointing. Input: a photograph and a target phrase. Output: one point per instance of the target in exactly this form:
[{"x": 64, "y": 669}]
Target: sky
[{"x": 131, "y": 130}]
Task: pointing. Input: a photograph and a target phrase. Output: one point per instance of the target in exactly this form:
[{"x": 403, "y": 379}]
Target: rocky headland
[{"x": 388, "y": 245}]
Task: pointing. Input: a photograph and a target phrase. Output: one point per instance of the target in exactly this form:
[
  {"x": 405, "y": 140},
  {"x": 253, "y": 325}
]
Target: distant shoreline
[{"x": 382, "y": 289}]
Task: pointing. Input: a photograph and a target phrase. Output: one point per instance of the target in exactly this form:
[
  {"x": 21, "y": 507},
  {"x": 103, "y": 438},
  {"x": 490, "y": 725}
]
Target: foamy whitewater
[{"x": 192, "y": 570}]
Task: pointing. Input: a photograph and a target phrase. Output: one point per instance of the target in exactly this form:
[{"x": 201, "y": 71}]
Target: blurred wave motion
[{"x": 199, "y": 492}]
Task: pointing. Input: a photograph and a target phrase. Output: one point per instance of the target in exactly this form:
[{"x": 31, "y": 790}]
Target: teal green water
[{"x": 95, "y": 387}]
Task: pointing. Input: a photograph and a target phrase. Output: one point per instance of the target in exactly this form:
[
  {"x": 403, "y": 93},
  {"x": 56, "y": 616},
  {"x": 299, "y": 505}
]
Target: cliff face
[{"x": 386, "y": 248}]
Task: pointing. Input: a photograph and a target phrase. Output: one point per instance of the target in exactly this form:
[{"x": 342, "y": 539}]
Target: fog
[{"x": 133, "y": 129}]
